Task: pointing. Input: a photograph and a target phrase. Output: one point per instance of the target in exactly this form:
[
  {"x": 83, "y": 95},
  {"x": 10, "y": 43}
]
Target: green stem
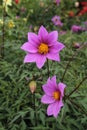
[
  {"x": 71, "y": 60},
  {"x": 34, "y": 109},
  {"x": 3, "y": 33},
  {"x": 48, "y": 68},
  {"x": 77, "y": 87}
]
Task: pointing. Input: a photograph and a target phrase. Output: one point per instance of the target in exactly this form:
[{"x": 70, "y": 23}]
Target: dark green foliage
[{"x": 17, "y": 110}]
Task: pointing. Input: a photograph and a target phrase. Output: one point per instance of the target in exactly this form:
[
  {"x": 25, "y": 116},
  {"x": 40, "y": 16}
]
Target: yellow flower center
[
  {"x": 56, "y": 95},
  {"x": 43, "y": 48}
]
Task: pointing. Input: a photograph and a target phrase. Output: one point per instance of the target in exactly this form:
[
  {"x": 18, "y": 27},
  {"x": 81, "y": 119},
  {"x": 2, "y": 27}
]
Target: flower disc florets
[
  {"x": 56, "y": 95},
  {"x": 43, "y": 48}
]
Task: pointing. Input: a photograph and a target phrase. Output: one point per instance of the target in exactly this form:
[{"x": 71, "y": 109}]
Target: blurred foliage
[{"x": 17, "y": 110}]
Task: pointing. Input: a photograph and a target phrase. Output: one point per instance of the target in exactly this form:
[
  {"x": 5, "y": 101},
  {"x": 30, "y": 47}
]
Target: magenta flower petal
[
  {"x": 52, "y": 37},
  {"x": 53, "y": 79},
  {"x": 48, "y": 90},
  {"x": 57, "y": 108},
  {"x": 29, "y": 58},
  {"x": 33, "y": 38},
  {"x": 33, "y": 57},
  {"x": 47, "y": 99},
  {"x": 56, "y": 47},
  {"x": 41, "y": 59},
  {"x": 29, "y": 47},
  {"x": 60, "y": 45},
  {"x": 61, "y": 88},
  {"x": 48, "y": 81},
  {"x": 54, "y": 109},
  {"x": 51, "y": 83},
  {"x": 43, "y": 34},
  {"x": 53, "y": 56},
  {"x": 50, "y": 109}
]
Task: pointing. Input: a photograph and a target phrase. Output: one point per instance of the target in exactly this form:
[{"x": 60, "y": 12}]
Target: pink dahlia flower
[
  {"x": 76, "y": 28},
  {"x": 56, "y": 20},
  {"x": 42, "y": 46},
  {"x": 57, "y": 2},
  {"x": 53, "y": 96}
]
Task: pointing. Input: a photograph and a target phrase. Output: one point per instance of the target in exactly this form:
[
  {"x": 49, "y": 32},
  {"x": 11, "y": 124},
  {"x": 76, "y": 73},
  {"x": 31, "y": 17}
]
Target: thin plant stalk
[
  {"x": 3, "y": 33},
  {"x": 78, "y": 107},
  {"x": 71, "y": 60},
  {"x": 48, "y": 72},
  {"x": 34, "y": 109},
  {"x": 77, "y": 87}
]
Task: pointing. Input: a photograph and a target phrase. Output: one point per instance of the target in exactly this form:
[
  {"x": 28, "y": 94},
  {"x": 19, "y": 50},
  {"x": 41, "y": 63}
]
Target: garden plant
[{"x": 43, "y": 65}]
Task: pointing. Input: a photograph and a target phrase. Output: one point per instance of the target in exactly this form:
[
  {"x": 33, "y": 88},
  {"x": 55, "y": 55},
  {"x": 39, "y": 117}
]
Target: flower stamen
[
  {"x": 43, "y": 48},
  {"x": 56, "y": 95}
]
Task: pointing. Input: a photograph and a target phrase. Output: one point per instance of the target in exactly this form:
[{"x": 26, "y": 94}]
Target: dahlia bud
[
  {"x": 32, "y": 86},
  {"x": 76, "y": 45}
]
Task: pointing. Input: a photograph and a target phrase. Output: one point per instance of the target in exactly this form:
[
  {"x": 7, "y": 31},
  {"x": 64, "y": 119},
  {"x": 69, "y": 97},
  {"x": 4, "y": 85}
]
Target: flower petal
[
  {"x": 52, "y": 84},
  {"x": 29, "y": 47},
  {"x": 40, "y": 60},
  {"x": 53, "y": 56},
  {"x": 47, "y": 99},
  {"x": 48, "y": 90},
  {"x": 43, "y": 34},
  {"x": 52, "y": 37},
  {"x": 53, "y": 79},
  {"x": 60, "y": 46},
  {"x": 30, "y": 58},
  {"x": 61, "y": 87},
  {"x": 54, "y": 48},
  {"x": 33, "y": 38},
  {"x": 50, "y": 109},
  {"x": 56, "y": 108}
]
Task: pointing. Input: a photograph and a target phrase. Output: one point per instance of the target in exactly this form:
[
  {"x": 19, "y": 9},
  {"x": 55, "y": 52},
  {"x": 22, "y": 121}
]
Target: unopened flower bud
[
  {"x": 35, "y": 28},
  {"x": 76, "y": 45},
  {"x": 32, "y": 86}
]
